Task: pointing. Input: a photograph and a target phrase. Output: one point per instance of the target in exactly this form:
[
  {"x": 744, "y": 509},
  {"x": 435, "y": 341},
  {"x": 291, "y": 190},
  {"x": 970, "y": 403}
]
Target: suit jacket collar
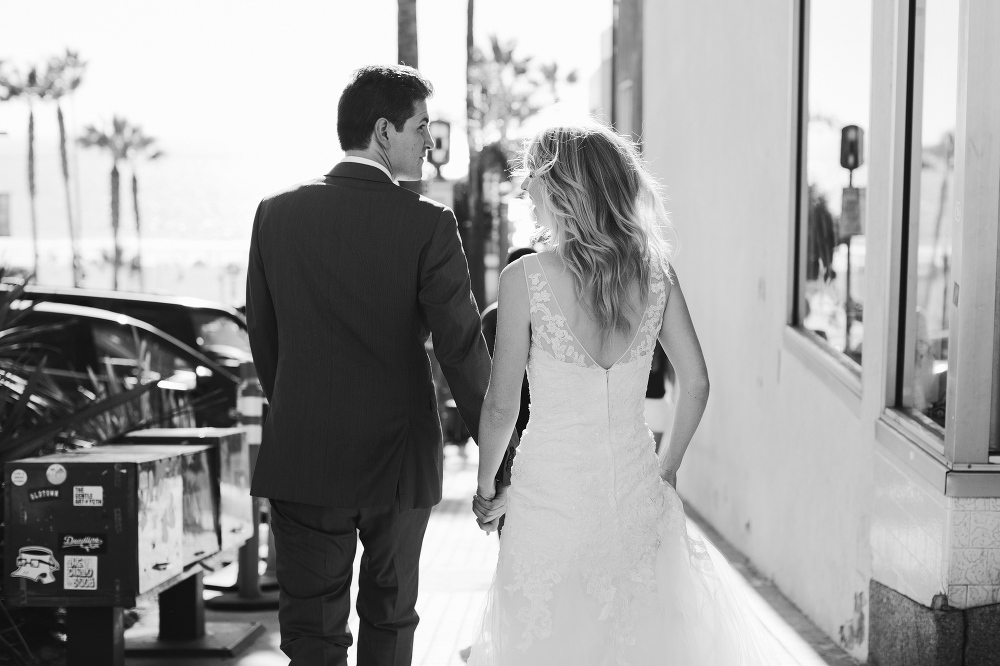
[{"x": 360, "y": 171}]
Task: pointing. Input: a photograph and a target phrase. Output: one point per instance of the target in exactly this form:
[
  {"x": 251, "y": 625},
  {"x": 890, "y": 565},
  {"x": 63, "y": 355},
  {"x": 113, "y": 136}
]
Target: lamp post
[
  {"x": 851, "y": 224},
  {"x": 440, "y": 131}
]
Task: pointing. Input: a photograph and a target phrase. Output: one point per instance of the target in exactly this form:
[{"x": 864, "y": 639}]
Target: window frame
[
  {"x": 962, "y": 447},
  {"x": 836, "y": 368},
  {"x": 972, "y": 420}
]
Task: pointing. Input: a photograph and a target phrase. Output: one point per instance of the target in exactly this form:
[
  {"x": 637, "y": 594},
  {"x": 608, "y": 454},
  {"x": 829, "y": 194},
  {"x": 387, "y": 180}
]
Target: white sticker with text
[
  {"x": 88, "y": 496},
  {"x": 80, "y": 572}
]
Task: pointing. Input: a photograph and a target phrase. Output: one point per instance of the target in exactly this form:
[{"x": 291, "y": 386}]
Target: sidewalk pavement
[{"x": 456, "y": 568}]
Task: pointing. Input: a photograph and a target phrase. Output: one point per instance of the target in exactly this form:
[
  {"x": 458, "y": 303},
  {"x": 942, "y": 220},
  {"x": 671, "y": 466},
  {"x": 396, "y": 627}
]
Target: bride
[{"x": 596, "y": 565}]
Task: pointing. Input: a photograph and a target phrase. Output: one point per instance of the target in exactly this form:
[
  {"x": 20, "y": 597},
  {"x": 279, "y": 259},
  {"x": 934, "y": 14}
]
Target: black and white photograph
[{"x": 520, "y": 333}]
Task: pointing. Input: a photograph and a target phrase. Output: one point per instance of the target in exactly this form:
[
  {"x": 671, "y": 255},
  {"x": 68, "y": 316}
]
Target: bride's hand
[
  {"x": 489, "y": 508},
  {"x": 669, "y": 476}
]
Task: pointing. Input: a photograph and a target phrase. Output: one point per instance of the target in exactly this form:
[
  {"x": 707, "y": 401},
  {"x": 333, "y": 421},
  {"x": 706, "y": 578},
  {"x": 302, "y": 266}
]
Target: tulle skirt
[{"x": 683, "y": 606}]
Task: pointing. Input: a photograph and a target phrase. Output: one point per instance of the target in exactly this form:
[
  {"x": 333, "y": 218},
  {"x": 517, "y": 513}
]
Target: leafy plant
[
  {"x": 505, "y": 91},
  {"x": 38, "y": 414}
]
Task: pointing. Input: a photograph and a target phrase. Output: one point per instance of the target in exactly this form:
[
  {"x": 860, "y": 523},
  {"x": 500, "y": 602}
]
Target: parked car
[
  {"x": 108, "y": 342},
  {"x": 215, "y": 329}
]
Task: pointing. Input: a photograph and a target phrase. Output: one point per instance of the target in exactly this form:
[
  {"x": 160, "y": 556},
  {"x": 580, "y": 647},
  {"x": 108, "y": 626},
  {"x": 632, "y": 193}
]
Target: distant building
[
  {"x": 4, "y": 214},
  {"x": 600, "y": 81},
  {"x": 833, "y": 174}
]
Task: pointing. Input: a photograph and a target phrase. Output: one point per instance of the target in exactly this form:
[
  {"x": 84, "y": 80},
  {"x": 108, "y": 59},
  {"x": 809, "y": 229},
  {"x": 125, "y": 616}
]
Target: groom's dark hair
[{"x": 378, "y": 91}]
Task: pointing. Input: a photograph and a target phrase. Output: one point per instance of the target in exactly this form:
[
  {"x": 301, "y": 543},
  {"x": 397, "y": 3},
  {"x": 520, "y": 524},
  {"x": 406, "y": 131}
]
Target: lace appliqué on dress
[
  {"x": 649, "y": 330},
  {"x": 552, "y": 330},
  {"x": 535, "y": 582}
]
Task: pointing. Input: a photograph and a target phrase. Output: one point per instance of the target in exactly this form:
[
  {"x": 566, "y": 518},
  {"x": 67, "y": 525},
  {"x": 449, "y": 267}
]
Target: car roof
[
  {"x": 85, "y": 312},
  {"x": 136, "y": 297}
]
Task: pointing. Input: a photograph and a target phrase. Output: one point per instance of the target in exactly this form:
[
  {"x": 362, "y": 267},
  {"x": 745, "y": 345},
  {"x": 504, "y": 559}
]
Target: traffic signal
[{"x": 852, "y": 139}]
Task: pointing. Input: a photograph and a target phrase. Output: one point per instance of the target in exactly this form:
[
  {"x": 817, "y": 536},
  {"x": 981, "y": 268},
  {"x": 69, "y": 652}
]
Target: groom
[{"x": 348, "y": 274}]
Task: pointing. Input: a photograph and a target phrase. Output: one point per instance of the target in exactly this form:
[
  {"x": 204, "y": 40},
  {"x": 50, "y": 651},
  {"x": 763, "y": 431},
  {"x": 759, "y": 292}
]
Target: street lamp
[{"x": 440, "y": 131}]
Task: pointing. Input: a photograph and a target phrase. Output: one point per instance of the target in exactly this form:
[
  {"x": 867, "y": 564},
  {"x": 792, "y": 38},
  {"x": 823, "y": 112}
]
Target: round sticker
[
  {"x": 56, "y": 474},
  {"x": 19, "y": 477}
]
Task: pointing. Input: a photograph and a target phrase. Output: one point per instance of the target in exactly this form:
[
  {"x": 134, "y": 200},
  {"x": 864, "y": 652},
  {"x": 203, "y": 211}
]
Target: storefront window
[
  {"x": 931, "y": 209},
  {"x": 836, "y": 107}
]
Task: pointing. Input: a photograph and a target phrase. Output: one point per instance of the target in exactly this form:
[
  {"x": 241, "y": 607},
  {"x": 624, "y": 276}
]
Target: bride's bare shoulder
[{"x": 551, "y": 262}]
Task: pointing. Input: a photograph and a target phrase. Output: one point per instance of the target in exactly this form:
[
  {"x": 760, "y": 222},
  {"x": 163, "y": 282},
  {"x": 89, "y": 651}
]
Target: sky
[
  {"x": 211, "y": 76},
  {"x": 241, "y": 96}
]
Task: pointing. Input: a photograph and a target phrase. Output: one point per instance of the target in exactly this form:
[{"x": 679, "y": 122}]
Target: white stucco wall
[{"x": 781, "y": 464}]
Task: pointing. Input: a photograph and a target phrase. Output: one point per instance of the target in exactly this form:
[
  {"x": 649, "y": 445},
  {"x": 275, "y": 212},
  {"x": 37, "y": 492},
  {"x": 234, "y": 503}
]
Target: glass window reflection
[
  {"x": 837, "y": 97},
  {"x": 932, "y": 198}
]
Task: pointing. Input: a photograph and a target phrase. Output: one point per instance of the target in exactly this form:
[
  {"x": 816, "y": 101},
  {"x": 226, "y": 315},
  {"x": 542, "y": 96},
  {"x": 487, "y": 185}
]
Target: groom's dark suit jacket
[{"x": 348, "y": 274}]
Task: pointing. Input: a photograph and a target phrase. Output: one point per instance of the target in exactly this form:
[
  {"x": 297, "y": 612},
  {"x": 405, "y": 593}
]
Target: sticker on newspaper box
[
  {"x": 80, "y": 572},
  {"x": 85, "y": 543},
  {"x": 19, "y": 477},
  {"x": 88, "y": 496},
  {"x": 43, "y": 495},
  {"x": 56, "y": 474},
  {"x": 36, "y": 564}
]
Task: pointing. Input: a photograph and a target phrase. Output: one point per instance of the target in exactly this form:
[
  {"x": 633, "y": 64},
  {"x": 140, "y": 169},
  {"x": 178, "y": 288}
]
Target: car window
[
  {"x": 222, "y": 337},
  {"x": 171, "y": 320},
  {"x": 64, "y": 348},
  {"x": 117, "y": 351},
  {"x": 132, "y": 353}
]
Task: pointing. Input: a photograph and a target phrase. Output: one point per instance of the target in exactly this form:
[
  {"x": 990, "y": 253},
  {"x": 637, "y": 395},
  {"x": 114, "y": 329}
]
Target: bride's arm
[
  {"x": 503, "y": 397},
  {"x": 680, "y": 342}
]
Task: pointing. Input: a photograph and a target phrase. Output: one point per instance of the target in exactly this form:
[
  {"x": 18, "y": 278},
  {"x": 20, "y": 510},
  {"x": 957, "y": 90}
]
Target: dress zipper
[{"x": 614, "y": 466}]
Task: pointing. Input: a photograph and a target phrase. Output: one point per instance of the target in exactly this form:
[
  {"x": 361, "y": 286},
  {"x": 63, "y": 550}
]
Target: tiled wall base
[
  {"x": 974, "y": 556},
  {"x": 925, "y": 544},
  {"x": 905, "y": 633}
]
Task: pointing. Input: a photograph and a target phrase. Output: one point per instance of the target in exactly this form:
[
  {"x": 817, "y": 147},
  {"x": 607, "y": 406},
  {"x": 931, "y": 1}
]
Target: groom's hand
[{"x": 488, "y": 511}]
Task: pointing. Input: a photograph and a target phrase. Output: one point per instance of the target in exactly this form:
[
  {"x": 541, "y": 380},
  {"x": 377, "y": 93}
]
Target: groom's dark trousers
[{"x": 347, "y": 276}]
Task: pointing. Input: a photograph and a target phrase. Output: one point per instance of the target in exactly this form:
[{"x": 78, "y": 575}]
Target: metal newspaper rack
[{"x": 97, "y": 530}]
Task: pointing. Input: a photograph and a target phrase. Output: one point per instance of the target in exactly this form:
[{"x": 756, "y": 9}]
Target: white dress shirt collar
[{"x": 371, "y": 163}]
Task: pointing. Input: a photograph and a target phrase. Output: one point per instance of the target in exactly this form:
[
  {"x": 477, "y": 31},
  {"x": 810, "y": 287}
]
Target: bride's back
[{"x": 603, "y": 346}]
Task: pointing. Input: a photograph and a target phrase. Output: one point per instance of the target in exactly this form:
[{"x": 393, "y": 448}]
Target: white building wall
[{"x": 782, "y": 465}]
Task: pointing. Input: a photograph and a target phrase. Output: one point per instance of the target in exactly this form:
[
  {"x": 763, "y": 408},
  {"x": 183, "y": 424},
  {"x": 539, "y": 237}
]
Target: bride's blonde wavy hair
[{"x": 608, "y": 211}]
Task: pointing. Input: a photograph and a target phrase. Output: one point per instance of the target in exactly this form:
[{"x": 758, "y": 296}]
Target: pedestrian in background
[{"x": 660, "y": 396}]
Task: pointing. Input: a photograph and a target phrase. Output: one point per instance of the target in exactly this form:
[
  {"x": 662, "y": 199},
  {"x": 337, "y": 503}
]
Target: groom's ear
[{"x": 381, "y": 133}]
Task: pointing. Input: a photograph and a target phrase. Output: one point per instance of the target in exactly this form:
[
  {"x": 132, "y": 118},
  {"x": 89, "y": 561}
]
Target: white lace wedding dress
[{"x": 596, "y": 566}]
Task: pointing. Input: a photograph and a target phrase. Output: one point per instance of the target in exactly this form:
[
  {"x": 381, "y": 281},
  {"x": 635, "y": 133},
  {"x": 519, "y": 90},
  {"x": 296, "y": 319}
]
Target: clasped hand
[
  {"x": 489, "y": 505},
  {"x": 669, "y": 476}
]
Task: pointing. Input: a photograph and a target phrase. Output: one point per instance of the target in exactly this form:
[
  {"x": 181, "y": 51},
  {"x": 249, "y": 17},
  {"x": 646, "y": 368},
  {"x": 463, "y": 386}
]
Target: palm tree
[
  {"x": 406, "y": 24},
  {"x": 476, "y": 248},
  {"x": 142, "y": 146},
  {"x": 64, "y": 75},
  {"x": 406, "y": 51},
  {"x": 30, "y": 88},
  {"x": 124, "y": 142}
]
